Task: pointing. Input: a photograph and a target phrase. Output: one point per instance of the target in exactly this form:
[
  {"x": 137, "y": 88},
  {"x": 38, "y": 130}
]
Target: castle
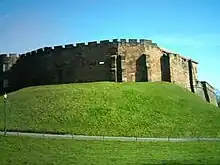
[{"x": 117, "y": 60}]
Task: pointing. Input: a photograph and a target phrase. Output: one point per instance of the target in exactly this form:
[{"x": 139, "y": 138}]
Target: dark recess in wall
[
  {"x": 191, "y": 76},
  {"x": 165, "y": 68},
  {"x": 205, "y": 91},
  {"x": 119, "y": 69},
  {"x": 141, "y": 74}
]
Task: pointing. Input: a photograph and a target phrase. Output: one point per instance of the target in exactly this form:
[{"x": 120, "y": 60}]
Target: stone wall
[
  {"x": 194, "y": 72},
  {"x": 200, "y": 91},
  {"x": 119, "y": 60},
  {"x": 116, "y": 60},
  {"x": 72, "y": 63},
  {"x": 142, "y": 60},
  {"x": 206, "y": 91},
  {"x": 210, "y": 93},
  {"x": 179, "y": 70},
  {"x": 193, "y": 79}
]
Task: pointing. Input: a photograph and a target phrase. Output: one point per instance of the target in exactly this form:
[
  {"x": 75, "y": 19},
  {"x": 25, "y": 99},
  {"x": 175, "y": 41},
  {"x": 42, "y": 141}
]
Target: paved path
[{"x": 107, "y": 138}]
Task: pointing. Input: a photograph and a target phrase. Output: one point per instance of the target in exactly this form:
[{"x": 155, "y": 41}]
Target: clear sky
[{"x": 189, "y": 27}]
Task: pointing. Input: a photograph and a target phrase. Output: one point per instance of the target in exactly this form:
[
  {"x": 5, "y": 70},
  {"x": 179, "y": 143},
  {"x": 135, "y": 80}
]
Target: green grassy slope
[
  {"x": 119, "y": 109},
  {"x": 34, "y": 151}
]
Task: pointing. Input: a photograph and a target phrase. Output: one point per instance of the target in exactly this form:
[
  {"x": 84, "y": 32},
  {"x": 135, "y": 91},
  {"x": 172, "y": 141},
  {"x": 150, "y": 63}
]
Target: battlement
[
  {"x": 80, "y": 45},
  {"x": 6, "y": 58},
  {"x": 58, "y": 47},
  {"x": 41, "y": 50},
  {"x": 95, "y": 64},
  {"x": 9, "y": 55},
  {"x": 113, "y": 41},
  {"x": 33, "y": 53},
  {"x": 46, "y": 50},
  {"x": 136, "y": 42},
  {"x": 69, "y": 46},
  {"x": 28, "y": 54}
]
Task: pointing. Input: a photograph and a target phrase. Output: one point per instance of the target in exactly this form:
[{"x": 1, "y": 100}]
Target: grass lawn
[
  {"x": 118, "y": 109},
  {"x": 37, "y": 151}
]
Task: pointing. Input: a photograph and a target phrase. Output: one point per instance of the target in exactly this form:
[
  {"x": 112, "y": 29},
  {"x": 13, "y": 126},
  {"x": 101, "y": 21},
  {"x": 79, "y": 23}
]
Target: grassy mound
[
  {"x": 26, "y": 150},
  {"x": 155, "y": 109}
]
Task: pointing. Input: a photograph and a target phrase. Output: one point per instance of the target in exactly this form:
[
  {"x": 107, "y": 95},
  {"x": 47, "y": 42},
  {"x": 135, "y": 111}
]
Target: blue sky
[{"x": 189, "y": 27}]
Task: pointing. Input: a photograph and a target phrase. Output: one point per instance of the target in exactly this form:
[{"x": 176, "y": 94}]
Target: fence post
[{"x": 5, "y": 114}]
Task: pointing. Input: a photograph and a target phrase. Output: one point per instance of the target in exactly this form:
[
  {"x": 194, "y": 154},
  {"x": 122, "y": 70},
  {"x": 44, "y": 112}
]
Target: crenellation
[
  {"x": 12, "y": 54},
  {"x": 145, "y": 42},
  {"x": 33, "y": 53},
  {"x": 40, "y": 51},
  {"x": 28, "y": 54},
  {"x": 80, "y": 45},
  {"x": 104, "y": 42},
  {"x": 115, "y": 40},
  {"x": 132, "y": 60},
  {"x": 13, "y": 58},
  {"x": 133, "y": 42},
  {"x": 22, "y": 56},
  {"x": 3, "y": 55},
  {"x": 69, "y": 46},
  {"x": 123, "y": 41},
  {"x": 94, "y": 43},
  {"x": 58, "y": 48},
  {"x": 48, "y": 49}
]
